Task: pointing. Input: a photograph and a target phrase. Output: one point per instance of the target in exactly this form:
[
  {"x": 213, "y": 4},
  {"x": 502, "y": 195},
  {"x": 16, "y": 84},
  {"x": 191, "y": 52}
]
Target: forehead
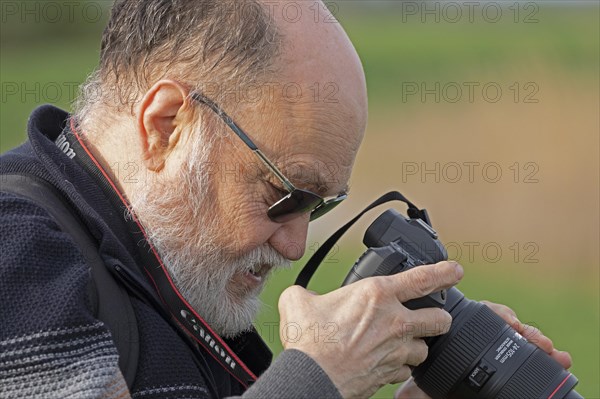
[
  {"x": 315, "y": 144},
  {"x": 323, "y": 178},
  {"x": 312, "y": 115}
]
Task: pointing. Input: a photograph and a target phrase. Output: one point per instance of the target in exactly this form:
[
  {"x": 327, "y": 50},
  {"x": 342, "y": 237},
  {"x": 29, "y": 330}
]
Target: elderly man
[{"x": 189, "y": 194}]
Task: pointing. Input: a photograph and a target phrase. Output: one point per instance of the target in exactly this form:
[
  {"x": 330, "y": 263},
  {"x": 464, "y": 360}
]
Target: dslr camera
[{"x": 481, "y": 356}]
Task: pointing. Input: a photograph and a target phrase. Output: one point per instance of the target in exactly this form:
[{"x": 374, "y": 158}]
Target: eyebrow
[
  {"x": 319, "y": 178},
  {"x": 289, "y": 186}
]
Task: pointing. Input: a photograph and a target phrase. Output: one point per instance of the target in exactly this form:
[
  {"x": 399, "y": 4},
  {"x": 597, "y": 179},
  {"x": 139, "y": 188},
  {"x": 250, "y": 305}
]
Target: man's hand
[
  {"x": 409, "y": 390},
  {"x": 361, "y": 334}
]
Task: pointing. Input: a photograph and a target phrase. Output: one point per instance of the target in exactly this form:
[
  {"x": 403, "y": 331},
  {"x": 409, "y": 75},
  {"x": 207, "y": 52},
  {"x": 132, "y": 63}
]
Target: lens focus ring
[
  {"x": 533, "y": 378},
  {"x": 460, "y": 352}
]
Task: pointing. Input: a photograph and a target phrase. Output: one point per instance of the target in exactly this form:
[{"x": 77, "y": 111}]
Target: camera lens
[
  {"x": 483, "y": 357},
  {"x": 480, "y": 356}
]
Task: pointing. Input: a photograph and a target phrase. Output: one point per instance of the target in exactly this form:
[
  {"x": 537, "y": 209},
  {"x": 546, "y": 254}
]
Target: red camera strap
[{"x": 179, "y": 309}]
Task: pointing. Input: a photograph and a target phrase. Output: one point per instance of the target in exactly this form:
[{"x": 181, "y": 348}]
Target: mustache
[{"x": 264, "y": 256}]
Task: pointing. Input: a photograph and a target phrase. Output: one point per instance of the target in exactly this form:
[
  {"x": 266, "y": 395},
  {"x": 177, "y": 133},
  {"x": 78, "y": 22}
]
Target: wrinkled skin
[{"x": 375, "y": 338}]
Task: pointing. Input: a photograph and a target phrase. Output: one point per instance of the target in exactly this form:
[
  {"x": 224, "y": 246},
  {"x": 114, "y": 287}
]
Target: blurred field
[{"x": 542, "y": 213}]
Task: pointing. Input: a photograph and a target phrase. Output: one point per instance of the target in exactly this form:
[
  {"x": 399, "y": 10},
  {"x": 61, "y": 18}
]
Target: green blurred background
[{"x": 510, "y": 179}]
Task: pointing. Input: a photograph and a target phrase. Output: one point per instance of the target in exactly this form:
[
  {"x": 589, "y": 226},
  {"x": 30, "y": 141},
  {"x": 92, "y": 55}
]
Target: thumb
[{"x": 410, "y": 390}]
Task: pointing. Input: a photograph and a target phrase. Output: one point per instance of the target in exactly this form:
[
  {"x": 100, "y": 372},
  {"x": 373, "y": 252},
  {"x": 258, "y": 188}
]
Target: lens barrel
[
  {"x": 483, "y": 357},
  {"x": 480, "y": 356}
]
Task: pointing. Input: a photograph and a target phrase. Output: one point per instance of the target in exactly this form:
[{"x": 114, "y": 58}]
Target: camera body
[
  {"x": 480, "y": 356},
  {"x": 397, "y": 244}
]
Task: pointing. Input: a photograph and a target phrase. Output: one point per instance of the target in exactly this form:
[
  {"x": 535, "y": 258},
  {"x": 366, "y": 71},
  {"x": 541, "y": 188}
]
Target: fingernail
[{"x": 459, "y": 271}]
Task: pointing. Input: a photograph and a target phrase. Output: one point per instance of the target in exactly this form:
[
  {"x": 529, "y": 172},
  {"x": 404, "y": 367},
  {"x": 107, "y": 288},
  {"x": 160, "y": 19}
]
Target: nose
[{"x": 290, "y": 238}]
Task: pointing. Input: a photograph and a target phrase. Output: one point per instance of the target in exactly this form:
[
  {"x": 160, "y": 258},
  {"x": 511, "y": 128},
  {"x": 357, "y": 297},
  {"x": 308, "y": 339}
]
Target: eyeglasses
[{"x": 298, "y": 201}]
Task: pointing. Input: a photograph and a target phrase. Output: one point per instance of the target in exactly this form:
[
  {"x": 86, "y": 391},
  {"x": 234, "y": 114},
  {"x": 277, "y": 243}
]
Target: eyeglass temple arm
[
  {"x": 240, "y": 133},
  {"x": 288, "y": 185}
]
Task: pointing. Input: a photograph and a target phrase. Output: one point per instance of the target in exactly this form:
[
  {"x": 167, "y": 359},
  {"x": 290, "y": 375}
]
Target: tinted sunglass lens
[
  {"x": 324, "y": 208},
  {"x": 293, "y": 205}
]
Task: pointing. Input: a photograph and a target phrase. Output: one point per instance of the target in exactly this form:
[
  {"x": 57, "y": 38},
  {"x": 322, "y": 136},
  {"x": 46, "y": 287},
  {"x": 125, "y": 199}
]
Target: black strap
[
  {"x": 111, "y": 301},
  {"x": 313, "y": 263}
]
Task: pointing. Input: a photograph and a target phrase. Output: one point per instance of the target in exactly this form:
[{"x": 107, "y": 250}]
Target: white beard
[{"x": 176, "y": 218}]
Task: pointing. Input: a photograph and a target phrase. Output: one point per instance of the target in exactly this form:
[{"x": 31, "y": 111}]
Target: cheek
[{"x": 242, "y": 213}]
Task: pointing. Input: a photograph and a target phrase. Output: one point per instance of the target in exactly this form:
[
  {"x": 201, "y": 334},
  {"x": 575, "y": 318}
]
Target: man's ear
[{"x": 160, "y": 113}]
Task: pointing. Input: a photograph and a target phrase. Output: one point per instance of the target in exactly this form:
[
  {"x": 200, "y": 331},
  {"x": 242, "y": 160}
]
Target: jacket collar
[
  {"x": 76, "y": 173},
  {"x": 51, "y": 141}
]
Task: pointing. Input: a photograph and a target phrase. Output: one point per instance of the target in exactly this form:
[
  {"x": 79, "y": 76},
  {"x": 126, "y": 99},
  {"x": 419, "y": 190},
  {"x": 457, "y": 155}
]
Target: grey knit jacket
[{"x": 51, "y": 343}]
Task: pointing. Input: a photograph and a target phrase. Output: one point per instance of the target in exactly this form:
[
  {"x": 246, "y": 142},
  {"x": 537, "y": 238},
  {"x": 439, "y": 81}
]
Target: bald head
[
  {"x": 319, "y": 118},
  {"x": 317, "y": 49}
]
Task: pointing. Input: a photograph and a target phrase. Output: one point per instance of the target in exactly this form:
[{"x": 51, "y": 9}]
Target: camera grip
[{"x": 433, "y": 300}]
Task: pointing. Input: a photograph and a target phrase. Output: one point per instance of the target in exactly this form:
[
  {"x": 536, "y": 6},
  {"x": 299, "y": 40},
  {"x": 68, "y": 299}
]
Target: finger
[
  {"x": 532, "y": 334},
  {"x": 423, "y": 280},
  {"x": 564, "y": 358},
  {"x": 535, "y": 336},
  {"x": 417, "y": 353},
  {"x": 401, "y": 375},
  {"x": 503, "y": 311},
  {"x": 427, "y": 322}
]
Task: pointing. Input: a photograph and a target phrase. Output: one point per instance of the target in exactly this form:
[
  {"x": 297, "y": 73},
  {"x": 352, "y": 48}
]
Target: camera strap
[
  {"x": 313, "y": 263},
  {"x": 244, "y": 358}
]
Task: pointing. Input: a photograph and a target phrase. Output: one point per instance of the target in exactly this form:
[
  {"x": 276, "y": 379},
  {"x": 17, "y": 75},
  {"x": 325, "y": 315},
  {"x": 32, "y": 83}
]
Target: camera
[{"x": 481, "y": 356}]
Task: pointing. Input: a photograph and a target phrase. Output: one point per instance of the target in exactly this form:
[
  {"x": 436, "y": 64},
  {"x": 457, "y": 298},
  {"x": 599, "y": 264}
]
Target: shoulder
[
  {"x": 41, "y": 267},
  {"x": 52, "y": 344}
]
